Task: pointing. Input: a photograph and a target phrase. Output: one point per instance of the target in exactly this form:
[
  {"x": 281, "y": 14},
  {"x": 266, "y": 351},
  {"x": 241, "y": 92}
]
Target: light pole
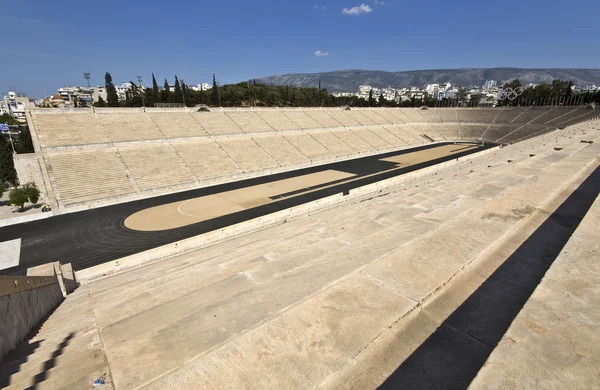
[
  {"x": 86, "y": 76},
  {"x": 141, "y": 90}
]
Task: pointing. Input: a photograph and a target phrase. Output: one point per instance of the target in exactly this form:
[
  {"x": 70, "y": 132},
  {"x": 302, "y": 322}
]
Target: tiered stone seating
[
  {"x": 387, "y": 136},
  {"x": 389, "y": 116},
  {"x": 472, "y": 132},
  {"x": 400, "y": 131},
  {"x": 156, "y": 166},
  {"x": 566, "y": 115},
  {"x": 521, "y": 133},
  {"x": 342, "y": 117},
  {"x": 323, "y": 118},
  {"x": 375, "y": 116},
  {"x": 549, "y": 114},
  {"x": 177, "y": 124},
  {"x": 450, "y": 131},
  {"x": 371, "y": 138},
  {"x": 333, "y": 141},
  {"x": 256, "y": 294},
  {"x": 448, "y": 115},
  {"x": 467, "y": 115},
  {"x": 302, "y": 120},
  {"x": 281, "y": 150},
  {"x": 308, "y": 146},
  {"x": 427, "y": 129},
  {"x": 249, "y": 121},
  {"x": 247, "y": 155},
  {"x": 355, "y": 141},
  {"x": 414, "y": 115},
  {"x": 430, "y": 115},
  {"x": 217, "y": 123},
  {"x": 206, "y": 159},
  {"x": 529, "y": 115},
  {"x": 486, "y": 115},
  {"x": 399, "y": 114},
  {"x": 508, "y": 114},
  {"x": 87, "y": 176},
  {"x": 496, "y": 132},
  {"x": 122, "y": 127},
  {"x": 68, "y": 129},
  {"x": 359, "y": 117},
  {"x": 277, "y": 120}
]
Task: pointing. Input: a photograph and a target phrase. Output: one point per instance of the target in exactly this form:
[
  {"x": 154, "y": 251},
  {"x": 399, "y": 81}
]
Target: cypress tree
[
  {"x": 7, "y": 167},
  {"x": 320, "y": 97},
  {"x": 111, "y": 91},
  {"x": 155, "y": 91},
  {"x": 216, "y": 98},
  {"x": 178, "y": 96},
  {"x": 166, "y": 97},
  {"x": 371, "y": 99},
  {"x": 381, "y": 100}
]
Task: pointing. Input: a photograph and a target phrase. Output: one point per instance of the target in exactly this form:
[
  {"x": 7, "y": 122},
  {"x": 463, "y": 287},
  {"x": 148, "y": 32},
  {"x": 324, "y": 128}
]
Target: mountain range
[{"x": 349, "y": 80}]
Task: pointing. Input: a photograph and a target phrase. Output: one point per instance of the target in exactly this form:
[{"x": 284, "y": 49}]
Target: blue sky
[{"x": 49, "y": 44}]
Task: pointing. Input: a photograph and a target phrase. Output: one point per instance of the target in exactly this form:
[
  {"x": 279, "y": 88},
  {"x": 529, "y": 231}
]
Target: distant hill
[{"x": 349, "y": 80}]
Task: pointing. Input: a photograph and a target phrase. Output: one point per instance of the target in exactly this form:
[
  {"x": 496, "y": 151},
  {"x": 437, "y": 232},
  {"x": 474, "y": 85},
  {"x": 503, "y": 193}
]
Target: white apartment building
[
  {"x": 200, "y": 87},
  {"x": 100, "y": 91},
  {"x": 72, "y": 95},
  {"x": 15, "y": 105}
]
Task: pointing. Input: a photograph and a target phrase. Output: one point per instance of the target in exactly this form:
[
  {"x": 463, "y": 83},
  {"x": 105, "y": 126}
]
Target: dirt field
[{"x": 178, "y": 214}]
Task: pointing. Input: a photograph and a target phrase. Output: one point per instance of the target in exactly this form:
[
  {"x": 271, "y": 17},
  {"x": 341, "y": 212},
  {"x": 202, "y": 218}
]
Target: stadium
[{"x": 304, "y": 247}]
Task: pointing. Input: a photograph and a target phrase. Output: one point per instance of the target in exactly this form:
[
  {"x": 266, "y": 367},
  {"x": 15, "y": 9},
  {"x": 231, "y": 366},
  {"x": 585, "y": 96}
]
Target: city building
[
  {"x": 200, "y": 87},
  {"x": 15, "y": 105}
]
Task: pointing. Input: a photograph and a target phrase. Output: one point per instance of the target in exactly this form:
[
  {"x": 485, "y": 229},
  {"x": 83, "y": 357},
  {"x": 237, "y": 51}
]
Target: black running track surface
[{"x": 93, "y": 237}]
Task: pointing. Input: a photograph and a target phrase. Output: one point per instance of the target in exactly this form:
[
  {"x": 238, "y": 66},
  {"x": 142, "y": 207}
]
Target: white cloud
[
  {"x": 379, "y": 2},
  {"x": 359, "y": 9},
  {"x": 320, "y": 53},
  {"x": 321, "y": 7}
]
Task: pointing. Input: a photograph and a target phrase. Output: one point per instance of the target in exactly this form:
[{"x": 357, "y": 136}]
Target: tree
[
  {"x": 17, "y": 197},
  {"x": 32, "y": 192},
  {"x": 475, "y": 98},
  {"x": 100, "y": 102},
  {"x": 155, "y": 91},
  {"x": 381, "y": 100},
  {"x": 133, "y": 96},
  {"x": 24, "y": 143},
  {"x": 461, "y": 94},
  {"x": 7, "y": 118},
  {"x": 149, "y": 97},
  {"x": 216, "y": 98},
  {"x": 111, "y": 92},
  {"x": 371, "y": 99},
  {"x": 2, "y": 189},
  {"x": 187, "y": 98},
  {"x": 166, "y": 93},
  {"x": 7, "y": 167},
  {"x": 178, "y": 96}
]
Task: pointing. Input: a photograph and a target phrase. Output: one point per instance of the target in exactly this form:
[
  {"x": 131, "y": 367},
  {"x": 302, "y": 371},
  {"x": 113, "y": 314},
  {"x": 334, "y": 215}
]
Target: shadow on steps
[
  {"x": 12, "y": 363},
  {"x": 453, "y": 355}
]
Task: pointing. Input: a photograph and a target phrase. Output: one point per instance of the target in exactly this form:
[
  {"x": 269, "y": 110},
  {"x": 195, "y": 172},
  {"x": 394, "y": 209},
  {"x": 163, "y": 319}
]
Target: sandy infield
[{"x": 183, "y": 213}]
